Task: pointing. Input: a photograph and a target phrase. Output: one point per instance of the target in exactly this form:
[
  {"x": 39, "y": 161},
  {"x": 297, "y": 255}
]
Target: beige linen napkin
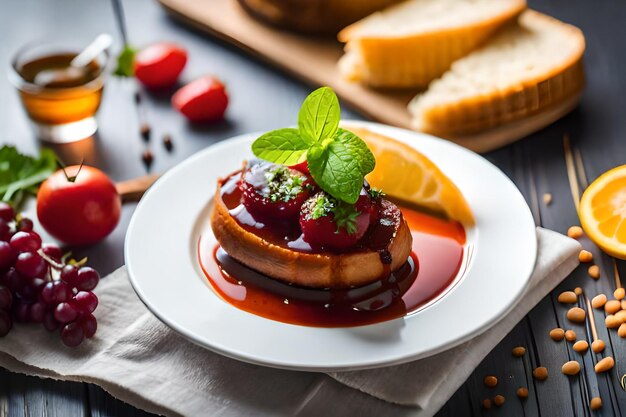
[{"x": 141, "y": 361}]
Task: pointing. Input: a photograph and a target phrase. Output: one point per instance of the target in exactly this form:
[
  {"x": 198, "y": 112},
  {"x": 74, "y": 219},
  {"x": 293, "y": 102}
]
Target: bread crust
[
  {"x": 323, "y": 270},
  {"x": 516, "y": 102},
  {"x": 413, "y": 61}
]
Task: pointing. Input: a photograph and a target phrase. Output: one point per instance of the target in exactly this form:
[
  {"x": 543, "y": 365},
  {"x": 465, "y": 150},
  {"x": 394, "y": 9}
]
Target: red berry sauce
[{"x": 438, "y": 244}]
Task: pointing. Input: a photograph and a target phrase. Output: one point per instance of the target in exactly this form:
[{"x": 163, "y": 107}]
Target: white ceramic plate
[{"x": 161, "y": 255}]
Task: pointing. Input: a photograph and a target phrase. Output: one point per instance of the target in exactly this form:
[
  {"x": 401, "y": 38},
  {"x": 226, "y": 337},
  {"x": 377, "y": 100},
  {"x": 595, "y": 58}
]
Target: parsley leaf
[
  {"x": 21, "y": 173},
  {"x": 125, "y": 62},
  {"x": 282, "y": 146},
  {"x": 319, "y": 115}
]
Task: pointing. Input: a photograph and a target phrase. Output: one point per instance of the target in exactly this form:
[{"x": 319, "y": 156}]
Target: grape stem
[{"x": 48, "y": 259}]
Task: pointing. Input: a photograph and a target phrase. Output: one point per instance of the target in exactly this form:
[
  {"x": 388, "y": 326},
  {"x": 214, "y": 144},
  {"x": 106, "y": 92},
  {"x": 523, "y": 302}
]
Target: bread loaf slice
[
  {"x": 410, "y": 44},
  {"x": 528, "y": 68}
]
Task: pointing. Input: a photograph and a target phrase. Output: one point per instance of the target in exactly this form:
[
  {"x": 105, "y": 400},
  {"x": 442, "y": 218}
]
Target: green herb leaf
[
  {"x": 319, "y": 115},
  {"x": 337, "y": 172},
  {"x": 345, "y": 217},
  {"x": 125, "y": 62},
  {"x": 282, "y": 146},
  {"x": 21, "y": 173},
  {"x": 358, "y": 148}
]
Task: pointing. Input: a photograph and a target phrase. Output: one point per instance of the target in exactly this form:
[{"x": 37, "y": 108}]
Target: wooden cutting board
[{"x": 315, "y": 61}]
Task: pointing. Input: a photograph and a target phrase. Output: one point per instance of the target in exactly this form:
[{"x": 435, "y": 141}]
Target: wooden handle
[{"x": 133, "y": 190}]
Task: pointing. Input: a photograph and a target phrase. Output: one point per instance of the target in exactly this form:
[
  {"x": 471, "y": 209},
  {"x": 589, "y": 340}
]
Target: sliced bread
[
  {"x": 410, "y": 44},
  {"x": 528, "y": 68}
]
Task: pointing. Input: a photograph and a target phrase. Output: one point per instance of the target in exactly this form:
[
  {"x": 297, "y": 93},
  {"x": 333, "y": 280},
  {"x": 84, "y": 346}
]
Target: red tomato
[
  {"x": 202, "y": 100},
  {"x": 80, "y": 212},
  {"x": 159, "y": 65}
]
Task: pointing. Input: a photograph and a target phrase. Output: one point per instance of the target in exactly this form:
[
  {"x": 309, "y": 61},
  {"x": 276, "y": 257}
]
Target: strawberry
[
  {"x": 274, "y": 193},
  {"x": 327, "y": 223}
]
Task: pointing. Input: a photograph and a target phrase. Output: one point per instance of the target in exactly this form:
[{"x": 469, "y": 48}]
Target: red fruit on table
[
  {"x": 72, "y": 334},
  {"x": 158, "y": 65},
  {"x": 25, "y": 241},
  {"x": 31, "y": 265},
  {"x": 6, "y": 212},
  {"x": 202, "y": 100},
  {"x": 7, "y": 255},
  {"x": 89, "y": 325},
  {"x": 81, "y": 210}
]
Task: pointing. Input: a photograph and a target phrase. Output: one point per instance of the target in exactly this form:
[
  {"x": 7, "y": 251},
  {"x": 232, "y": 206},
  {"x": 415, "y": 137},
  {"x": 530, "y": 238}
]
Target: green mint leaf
[
  {"x": 319, "y": 115},
  {"x": 359, "y": 150},
  {"x": 125, "y": 62},
  {"x": 282, "y": 146},
  {"x": 337, "y": 172},
  {"x": 339, "y": 169},
  {"x": 21, "y": 173}
]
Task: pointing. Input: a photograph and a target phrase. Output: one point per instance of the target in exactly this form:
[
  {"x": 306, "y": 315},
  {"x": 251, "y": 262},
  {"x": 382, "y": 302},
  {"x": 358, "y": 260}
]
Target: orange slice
[
  {"x": 405, "y": 173},
  {"x": 602, "y": 212}
]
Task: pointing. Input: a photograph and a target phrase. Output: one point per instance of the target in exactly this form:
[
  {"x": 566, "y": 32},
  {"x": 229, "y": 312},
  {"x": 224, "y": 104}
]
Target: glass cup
[{"x": 60, "y": 100}]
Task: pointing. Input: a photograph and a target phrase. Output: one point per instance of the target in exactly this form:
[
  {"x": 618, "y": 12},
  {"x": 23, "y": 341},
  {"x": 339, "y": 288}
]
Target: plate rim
[{"x": 277, "y": 363}]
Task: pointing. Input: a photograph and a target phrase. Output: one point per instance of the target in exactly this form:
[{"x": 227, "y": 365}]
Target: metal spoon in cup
[{"x": 78, "y": 66}]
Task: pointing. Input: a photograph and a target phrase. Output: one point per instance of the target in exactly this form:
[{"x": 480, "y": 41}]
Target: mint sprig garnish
[{"x": 337, "y": 158}]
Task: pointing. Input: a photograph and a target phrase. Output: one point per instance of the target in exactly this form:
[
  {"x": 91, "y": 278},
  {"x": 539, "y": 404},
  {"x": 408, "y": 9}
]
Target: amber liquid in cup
[
  {"x": 61, "y": 100},
  {"x": 66, "y": 95}
]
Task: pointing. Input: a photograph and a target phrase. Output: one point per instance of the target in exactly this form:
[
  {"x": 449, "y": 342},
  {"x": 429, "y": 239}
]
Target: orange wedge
[
  {"x": 405, "y": 173},
  {"x": 602, "y": 212}
]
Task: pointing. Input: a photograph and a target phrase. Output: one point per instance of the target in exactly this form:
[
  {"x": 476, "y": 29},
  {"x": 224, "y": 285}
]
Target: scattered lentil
[
  {"x": 147, "y": 158},
  {"x": 612, "y": 306},
  {"x": 557, "y": 334},
  {"x": 612, "y": 322},
  {"x": 547, "y": 199},
  {"x": 598, "y": 346},
  {"x": 576, "y": 315},
  {"x": 145, "y": 131},
  {"x": 621, "y": 331},
  {"x": 522, "y": 392},
  {"x": 595, "y": 403},
  {"x": 585, "y": 256},
  {"x": 498, "y": 400},
  {"x": 594, "y": 271},
  {"x": 621, "y": 315},
  {"x": 167, "y": 142},
  {"x": 575, "y": 232},
  {"x": 541, "y": 373},
  {"x": 619, "y": 294},
  {"x": 578, "y": 290},
  {"x": 581, "y": 346},
  {"x": 605, "y": 364},
  {"x": 487, "y": 403},
  {"x": 571, "y": 368},
  {"x": 567, "y": 297},
  {"x": 599, "y": 301},
  {"x": 518, "y": 351},
  {"x": 570, "y": 335},
  {"x": 490, "y": 381}
]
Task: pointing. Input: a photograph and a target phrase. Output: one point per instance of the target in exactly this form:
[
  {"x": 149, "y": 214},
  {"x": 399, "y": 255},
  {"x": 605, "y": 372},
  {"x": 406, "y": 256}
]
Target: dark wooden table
[{"x": 263, "y": 98}]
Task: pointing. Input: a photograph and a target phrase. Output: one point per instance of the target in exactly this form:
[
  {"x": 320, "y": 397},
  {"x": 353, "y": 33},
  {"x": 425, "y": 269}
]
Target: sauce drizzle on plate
[{"x": 436, "y": 261}]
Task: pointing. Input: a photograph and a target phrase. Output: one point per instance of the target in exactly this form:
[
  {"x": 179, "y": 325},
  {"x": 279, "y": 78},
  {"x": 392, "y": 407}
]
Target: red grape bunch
[{"x": 38, "y": 286}]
